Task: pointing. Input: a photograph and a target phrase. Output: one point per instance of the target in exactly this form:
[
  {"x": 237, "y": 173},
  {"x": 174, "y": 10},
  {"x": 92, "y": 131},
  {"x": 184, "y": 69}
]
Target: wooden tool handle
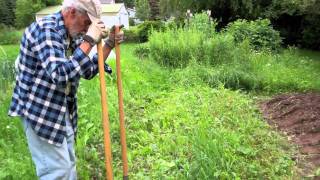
[
  {"x": 105, "y": 116},
  {"x": 121, "y": 110}
]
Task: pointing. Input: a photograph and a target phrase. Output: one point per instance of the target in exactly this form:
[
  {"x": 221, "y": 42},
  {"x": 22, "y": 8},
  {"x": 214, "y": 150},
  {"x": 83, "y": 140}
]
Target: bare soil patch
[{"x": 298, "y": 116}]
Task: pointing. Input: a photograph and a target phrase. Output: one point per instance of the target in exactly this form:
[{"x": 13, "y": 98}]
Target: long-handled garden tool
[
  {"x": 105, "y": 116},
  {"x": 121, "y": 109}
]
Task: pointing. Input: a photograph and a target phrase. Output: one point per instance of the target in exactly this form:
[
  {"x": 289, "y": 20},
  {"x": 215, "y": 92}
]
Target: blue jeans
[{"x": 51, "y": 161}]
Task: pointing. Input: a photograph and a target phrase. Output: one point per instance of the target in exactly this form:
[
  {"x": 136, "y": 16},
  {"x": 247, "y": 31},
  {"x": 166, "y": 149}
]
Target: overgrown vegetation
[
  {"x": 177, "y": 127},
  {"x": 259, "y": 33},
  {"x": 16, "y": 162},
  {"x": 144, "y": 29},
  {"x": 240, "y": 57},
  {"x": 298, "y": 20},
  {"x": 186, "y": 116},
  {"x": 140, "y": 33},
  {"x": 9, "y": 35}
]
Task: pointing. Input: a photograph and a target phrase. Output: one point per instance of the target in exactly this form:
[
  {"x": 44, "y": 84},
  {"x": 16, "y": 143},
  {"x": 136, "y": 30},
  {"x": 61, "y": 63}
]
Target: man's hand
[
  {"x": 113, "y": 38},
  {"x": 95, "y": 33}
]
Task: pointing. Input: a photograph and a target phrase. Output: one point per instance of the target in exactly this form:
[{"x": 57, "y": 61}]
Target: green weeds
[
  {"x": 178, "y": 128},
  {"x": 177, "y": 125}
]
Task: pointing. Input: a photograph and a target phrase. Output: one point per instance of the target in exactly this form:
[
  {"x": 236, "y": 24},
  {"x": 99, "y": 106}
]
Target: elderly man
[{"x": 51, "y": 63}]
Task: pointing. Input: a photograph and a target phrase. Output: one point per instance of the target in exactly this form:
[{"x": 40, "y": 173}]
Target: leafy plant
[
  {"x": 131, "y": 35},
  {"x": 259, "y": 33},
  {"x": 144, "y": 29}
]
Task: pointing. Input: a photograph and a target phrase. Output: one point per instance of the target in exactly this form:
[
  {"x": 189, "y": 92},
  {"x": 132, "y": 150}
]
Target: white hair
[{"x": 66, "y": 4}]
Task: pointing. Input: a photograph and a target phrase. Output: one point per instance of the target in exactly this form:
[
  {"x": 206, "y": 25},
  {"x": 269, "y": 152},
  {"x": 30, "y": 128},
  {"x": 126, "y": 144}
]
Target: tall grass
[
  {"x": 7, "y": 69},
  {"x": 238, "y": 65},
  {"x": 9, "y": 35},
  {"x": 15, "y": 157},
  {"x": 176, "y": 47}
]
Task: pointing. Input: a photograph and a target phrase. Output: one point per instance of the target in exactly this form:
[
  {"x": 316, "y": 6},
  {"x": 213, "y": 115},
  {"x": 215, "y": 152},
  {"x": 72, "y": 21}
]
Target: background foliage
[
  {"x": 242, "y": 56},
  {"x": 26, "y": 10},
  {"x": 297, "y": 20},
  {"x": 7, "y": 9}
]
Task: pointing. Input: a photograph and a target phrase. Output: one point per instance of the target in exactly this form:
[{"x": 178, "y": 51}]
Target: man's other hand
[
  {"x": 96, "y": 32},
  {"x": 113, "y": 38}
]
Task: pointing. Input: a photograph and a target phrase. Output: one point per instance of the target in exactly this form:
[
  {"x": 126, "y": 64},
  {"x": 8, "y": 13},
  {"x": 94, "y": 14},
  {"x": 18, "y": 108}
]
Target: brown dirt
[{"x": 298, "y": 116}]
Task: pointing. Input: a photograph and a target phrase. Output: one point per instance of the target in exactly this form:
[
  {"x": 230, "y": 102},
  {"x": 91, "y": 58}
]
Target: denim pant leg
[
  {"x": 51, "y": 161},
  {"x": 71, "y": 150}
]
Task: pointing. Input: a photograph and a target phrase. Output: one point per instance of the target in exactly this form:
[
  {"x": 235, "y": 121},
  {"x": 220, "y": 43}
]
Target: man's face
[{"x": 80, "y": 23}]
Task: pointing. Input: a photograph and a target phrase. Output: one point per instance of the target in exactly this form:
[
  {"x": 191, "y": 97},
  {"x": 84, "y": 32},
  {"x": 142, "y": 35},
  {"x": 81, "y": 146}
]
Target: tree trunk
[{"x": 154, "y": 9}]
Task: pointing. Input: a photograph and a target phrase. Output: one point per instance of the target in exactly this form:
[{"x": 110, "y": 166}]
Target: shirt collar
[
  {"x": 61, "y": 26},
  {"x": 62, "y": 30}
]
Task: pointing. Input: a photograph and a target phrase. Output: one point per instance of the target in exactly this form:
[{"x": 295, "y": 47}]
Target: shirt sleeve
[
  {"x": 107, "y": 68},
  {"x": 49, "y": 48}
]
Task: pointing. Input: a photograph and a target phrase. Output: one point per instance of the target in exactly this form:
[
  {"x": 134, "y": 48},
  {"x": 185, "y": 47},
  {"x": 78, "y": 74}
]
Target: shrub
[
  {"x": 144, "y": 29},
  {"x": 172, "y": 24},
  {"x": 259, "y": 32},
  {"x": 219, "y": 49},
  {"x": 131, "y": 35},
  {"x": 131, "y": 21}
]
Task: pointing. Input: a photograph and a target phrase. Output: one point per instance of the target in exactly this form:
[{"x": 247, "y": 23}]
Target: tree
[
  {"x": 7, "y": 15},
  {"x": 142, "y": 9},
  {"x": 51, "y": 2},
  {"x": 26, "y": 10},
  {"x": 174, "y": 8},
  {"x": 154, "y": 9},
  {"x": 223, "y": 10},
  {"x": 297, "y": 20},
  {"x": 127, "y": 3},
  {"x": 311, "y": 24}
]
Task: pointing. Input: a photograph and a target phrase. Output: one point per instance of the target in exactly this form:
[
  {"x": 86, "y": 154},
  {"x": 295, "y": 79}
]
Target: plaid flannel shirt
[{"x": 47, "y": 80}]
